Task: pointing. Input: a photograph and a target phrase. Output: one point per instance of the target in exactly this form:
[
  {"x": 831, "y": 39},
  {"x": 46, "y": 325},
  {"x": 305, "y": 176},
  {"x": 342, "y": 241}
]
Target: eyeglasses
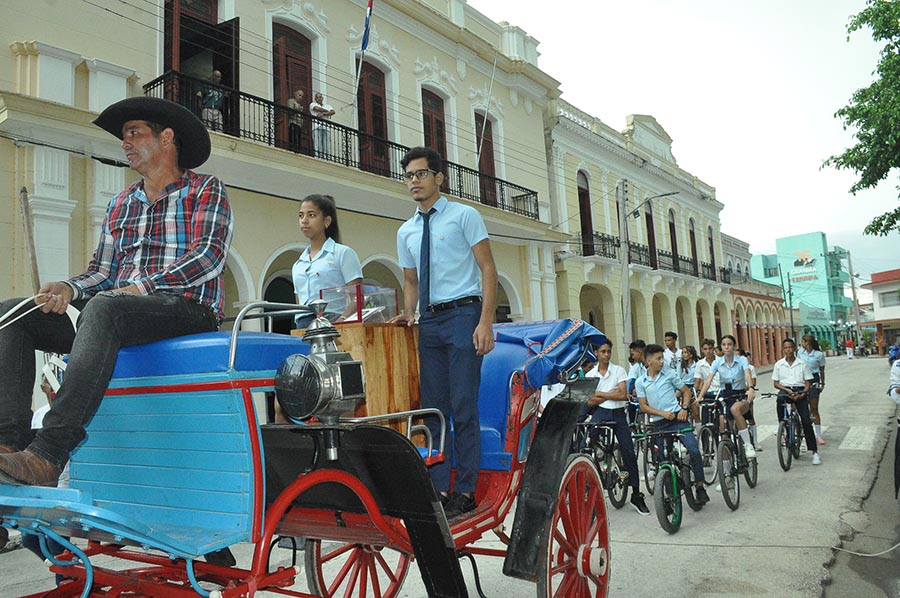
[{"x": 417, "y": 174}]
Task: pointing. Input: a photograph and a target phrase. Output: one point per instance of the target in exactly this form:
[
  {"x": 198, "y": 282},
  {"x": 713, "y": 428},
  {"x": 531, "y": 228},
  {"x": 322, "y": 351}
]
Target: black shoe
[
  {"x": 445, "y": 498},
  {"x": 222, "y": 558},
  {"x": 458, "y": 504},
  {"x": 702, "y": 496},
  {"x": 637, "y": 501}
]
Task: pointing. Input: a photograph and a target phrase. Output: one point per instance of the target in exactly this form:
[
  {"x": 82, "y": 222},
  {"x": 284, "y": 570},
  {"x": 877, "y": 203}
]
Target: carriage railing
[
  {"x": 284, "y": 309},
  {"x": 411, "y": 428}
]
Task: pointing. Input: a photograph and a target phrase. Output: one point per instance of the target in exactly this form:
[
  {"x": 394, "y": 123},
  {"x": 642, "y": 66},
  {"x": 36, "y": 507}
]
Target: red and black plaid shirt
[{"x": 177, "y": 244}]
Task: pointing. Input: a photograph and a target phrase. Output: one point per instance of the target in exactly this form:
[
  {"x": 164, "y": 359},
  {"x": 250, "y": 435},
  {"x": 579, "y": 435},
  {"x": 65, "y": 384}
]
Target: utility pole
[
  {"x": 624, "y": 249},
  {"x": 853, "y": 289},
  {"x": 789, "y": 297}
]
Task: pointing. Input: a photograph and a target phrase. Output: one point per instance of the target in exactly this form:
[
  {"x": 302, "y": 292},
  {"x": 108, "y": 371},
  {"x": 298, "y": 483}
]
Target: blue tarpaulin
[{"x": 557, "y": 344}]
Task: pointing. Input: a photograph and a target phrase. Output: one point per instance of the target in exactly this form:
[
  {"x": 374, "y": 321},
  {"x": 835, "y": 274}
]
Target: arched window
[
  {"x": 673, "y": 237},
  {"x": 584, "y": 209},
  {"x": 651, "y": 235},
  {"x": 693, "y": 235},
  {"x": 433, "y": 122},
  {"x": 291, "y": 70},
  {"x": 484, "y": 138},
  {"x": 372, "y": 119}
]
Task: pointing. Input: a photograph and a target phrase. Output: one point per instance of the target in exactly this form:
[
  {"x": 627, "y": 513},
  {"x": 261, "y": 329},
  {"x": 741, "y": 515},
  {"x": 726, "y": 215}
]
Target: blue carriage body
[{"x": 174, "y": 459}]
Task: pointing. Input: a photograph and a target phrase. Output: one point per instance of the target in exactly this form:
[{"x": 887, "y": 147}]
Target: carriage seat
[{"x": 171, "y": 458}]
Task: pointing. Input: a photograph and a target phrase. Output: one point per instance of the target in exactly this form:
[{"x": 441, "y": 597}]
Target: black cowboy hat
[{"x": 192, "y": 135}]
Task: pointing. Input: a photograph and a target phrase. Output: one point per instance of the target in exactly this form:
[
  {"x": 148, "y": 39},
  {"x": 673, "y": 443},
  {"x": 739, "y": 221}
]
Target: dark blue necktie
[{"x": 425, "y": 262}]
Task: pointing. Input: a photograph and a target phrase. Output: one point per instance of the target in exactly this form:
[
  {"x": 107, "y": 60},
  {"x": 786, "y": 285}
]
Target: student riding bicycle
[
  {"x": 737, "y": 388},
  {"x": 792, "y": 378}
]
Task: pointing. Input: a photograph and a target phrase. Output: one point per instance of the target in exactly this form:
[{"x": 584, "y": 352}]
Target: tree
[{"x": 874, "y": 111}]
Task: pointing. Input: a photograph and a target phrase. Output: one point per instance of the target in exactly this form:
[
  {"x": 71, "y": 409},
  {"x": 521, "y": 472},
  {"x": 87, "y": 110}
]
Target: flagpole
[
  {"x": 487, "y": 110},
  {"x": 362, "y": 55}
]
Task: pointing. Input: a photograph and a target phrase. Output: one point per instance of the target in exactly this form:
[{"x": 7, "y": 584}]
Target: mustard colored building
[
  {"x": 611, "y": 190},
  {"x": 435, "y": 73}
]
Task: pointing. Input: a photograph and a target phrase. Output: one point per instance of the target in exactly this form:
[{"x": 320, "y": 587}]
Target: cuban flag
[{"x": 365, "y": 39}]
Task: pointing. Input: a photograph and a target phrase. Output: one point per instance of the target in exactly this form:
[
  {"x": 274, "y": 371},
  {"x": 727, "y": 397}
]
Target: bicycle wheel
[
  {"x": 648, "y": 467},
  {"x": 728, "y": 474},
  {"x": 785, "y": 452},
  {"x": 751, "y": 471},
  {"x": 615, "y": 480},
  {"x": 798, "y": 436},
  {"x": 707, "y": 442},
  {"x": 688, "y": 481},
  {"x": 667, "y": 501}
]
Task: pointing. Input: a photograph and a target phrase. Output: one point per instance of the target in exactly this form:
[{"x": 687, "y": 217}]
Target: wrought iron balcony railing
[{"x": 250, "y": 117}]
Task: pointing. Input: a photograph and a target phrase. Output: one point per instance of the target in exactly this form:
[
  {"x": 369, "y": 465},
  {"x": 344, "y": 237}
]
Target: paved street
[{"x": 778, "y": 543}]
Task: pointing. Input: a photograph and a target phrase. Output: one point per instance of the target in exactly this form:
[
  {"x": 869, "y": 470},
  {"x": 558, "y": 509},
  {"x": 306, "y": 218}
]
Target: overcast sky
[{"x": 746, "y": 90}]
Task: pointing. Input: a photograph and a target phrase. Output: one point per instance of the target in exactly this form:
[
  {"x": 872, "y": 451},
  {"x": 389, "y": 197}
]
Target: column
[{"x": 548, "y": 284}]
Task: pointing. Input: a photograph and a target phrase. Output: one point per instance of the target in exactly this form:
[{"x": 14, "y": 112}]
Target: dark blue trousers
[
  {"x": 449, "y": 379},
  {"x": 620, "y": 428}
]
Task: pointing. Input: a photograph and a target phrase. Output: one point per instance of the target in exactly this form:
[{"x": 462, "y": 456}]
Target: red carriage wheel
[
  {"x": 336, "y": 570},
  {"x": 576, "y": 559}
]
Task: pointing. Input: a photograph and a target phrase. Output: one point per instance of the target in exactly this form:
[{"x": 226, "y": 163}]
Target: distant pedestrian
[
  {"x": 321, "y": 110},
  {"x": 849, "y": 345},
  {"x": 212, "y": 98}
]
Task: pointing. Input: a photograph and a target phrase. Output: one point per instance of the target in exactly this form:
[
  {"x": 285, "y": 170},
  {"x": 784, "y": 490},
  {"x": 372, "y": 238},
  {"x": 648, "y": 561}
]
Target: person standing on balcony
[
  {"x": 295, "y": 120},
  {"x": 321, "y": 110},
  {"x": 449, "y": 273},
  {"x": 157, "y": 273},
  {"x": 212, "y": 98}
]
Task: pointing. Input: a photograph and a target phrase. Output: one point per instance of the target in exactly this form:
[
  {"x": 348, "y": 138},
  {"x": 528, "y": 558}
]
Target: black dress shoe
[{"x": 458, "y": 505}]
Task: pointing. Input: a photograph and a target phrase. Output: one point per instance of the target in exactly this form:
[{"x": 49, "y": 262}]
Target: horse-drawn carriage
[{"x": 176, "y": 466}]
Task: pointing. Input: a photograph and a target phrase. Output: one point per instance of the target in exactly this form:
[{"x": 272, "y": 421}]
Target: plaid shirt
[{"x": 175, "y": 245}]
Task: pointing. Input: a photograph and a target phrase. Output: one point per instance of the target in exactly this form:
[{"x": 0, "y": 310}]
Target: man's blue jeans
[
  {"x": 109, "y": 321},
  {"x": 687, "y": 439}
]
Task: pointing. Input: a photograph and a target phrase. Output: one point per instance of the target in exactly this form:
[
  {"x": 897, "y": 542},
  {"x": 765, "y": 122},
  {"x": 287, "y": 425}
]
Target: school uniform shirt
[
  {"x": 894, "y": 391},
  {"x": 660, "y": 392},
  {"x": 791, "y": 374},
  {"x": 687, "y": 375},
  {"x": 615, "y": 374},
  {"x": 731, "y": 374},
  {"x": 334, "y": 265},
  {"x": 455, "y": 229},
  {"x": 815, "y": 360},
  {"x": 701, "y": 372},
  {"x": 672, "y": 359}
]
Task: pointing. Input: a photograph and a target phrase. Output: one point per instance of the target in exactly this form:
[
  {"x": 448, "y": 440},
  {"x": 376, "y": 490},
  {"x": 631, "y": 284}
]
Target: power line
[{"x": 404, "y": 106}]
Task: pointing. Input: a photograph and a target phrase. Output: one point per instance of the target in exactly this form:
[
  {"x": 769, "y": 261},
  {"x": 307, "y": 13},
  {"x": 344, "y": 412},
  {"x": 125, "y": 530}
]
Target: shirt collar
[
  {"x": 439, "y": 206},
  {"x": 182, "y": 181},
  {"x": 327, "y": 247}
]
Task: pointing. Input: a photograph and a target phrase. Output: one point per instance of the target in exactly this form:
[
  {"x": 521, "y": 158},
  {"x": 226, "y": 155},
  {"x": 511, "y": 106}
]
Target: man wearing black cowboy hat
[{"x": 156, "y": 273}]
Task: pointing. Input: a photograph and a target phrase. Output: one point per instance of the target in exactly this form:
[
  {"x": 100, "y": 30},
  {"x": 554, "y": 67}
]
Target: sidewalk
[{"x": 873, "y": 529}]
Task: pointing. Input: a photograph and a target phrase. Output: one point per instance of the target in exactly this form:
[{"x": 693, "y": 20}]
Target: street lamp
[{"x": 622, "y": 199}]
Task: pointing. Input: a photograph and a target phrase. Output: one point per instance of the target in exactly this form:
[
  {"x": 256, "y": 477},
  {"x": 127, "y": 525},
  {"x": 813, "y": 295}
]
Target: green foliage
[
  {"x": 874, "y": 111},
  {"x": 824, "y": 344}
]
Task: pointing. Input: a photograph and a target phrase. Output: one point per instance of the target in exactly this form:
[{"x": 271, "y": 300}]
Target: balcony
[
  {"x": 250, "y": 117},
  {"x": 606, "y": 246}
]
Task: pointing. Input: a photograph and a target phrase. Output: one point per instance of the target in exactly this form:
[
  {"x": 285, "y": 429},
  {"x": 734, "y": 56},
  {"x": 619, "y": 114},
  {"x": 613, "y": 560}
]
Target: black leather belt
[{"x": 435, "y": 307}]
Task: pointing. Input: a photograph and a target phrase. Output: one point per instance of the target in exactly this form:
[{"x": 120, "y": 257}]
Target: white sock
[
  {"x": 745, "y": 435},
  {"x": 818, "y": 430}
]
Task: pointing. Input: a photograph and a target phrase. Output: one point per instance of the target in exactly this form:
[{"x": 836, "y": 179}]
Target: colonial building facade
[
  {"x": 759, "y": 316},
  {"x": 611, "y": 191},
  {"x": 435, "y": 73}
]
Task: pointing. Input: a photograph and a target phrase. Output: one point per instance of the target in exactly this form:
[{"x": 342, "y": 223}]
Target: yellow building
[
  {"x": 675, "y": 279},
  {"x": 435, "y": 72}
]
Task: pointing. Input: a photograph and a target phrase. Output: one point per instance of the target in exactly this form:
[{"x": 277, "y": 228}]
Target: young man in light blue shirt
[
  {"x": 656, "y": 393},
  {"x": 455, "y": 286}
]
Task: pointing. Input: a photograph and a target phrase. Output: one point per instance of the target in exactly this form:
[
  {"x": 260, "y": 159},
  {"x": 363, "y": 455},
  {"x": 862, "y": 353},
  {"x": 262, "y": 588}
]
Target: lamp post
[{"x": 624, "y": 214}]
